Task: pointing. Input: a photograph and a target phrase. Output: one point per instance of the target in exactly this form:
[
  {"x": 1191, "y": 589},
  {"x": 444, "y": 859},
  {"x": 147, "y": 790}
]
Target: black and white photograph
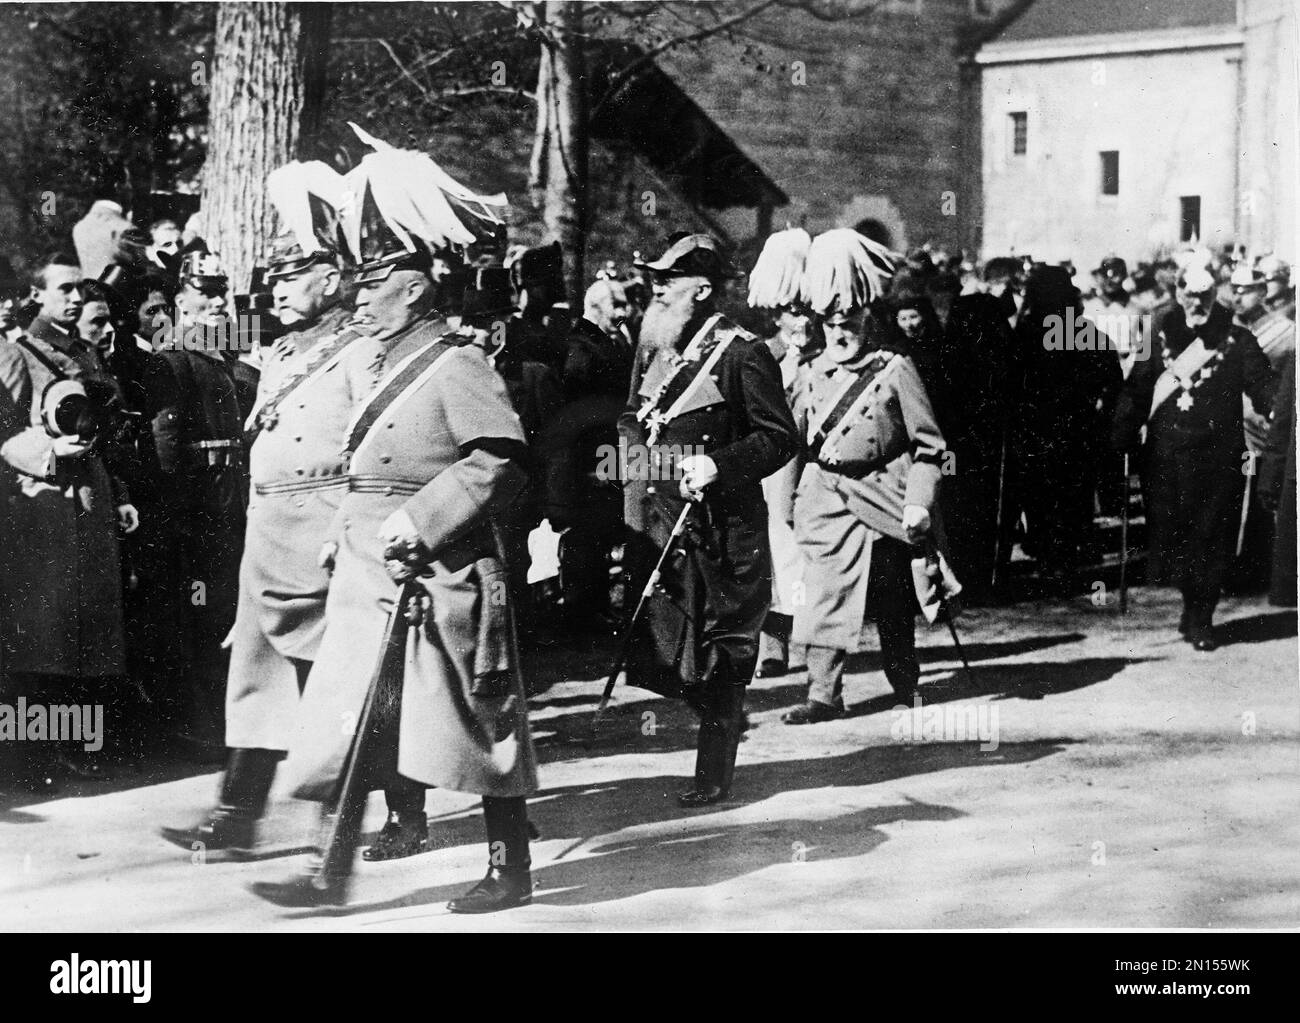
[{"x": 573, "y": 466}]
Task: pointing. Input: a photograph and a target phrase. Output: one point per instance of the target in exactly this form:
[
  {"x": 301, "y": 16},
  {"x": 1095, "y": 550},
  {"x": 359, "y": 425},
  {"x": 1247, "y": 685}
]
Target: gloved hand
[
  {"x": 698, "y": 471},
  {"x": 916, "y": 523}
]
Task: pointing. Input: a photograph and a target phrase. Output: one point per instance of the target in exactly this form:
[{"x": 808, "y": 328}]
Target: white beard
[{"x": 663, "y": 326}]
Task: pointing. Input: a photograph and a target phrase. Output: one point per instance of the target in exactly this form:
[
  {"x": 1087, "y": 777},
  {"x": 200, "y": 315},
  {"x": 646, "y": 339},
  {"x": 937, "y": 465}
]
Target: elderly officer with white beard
[
  {"x": 315, "y": 376},
  {"x": 710, "y": 400},
  {"x": 434, "y": 453}
]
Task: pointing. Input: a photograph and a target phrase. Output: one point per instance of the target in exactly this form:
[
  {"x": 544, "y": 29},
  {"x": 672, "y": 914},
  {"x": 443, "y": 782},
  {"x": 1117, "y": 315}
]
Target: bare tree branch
[{"x": 647, "y": 58}]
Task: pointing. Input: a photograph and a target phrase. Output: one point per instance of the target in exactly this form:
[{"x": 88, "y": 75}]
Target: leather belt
[
  {"x": 299, "y": 486},
  {"x": 384, "y": 485}
]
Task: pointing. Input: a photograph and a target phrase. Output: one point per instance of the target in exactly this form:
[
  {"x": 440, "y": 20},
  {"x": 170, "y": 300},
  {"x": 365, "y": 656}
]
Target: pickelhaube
[{"x": 202, "y": 270}]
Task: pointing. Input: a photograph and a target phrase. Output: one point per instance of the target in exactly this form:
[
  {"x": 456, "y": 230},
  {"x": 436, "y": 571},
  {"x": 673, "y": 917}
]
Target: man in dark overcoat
[
  {"x": 710, "y": 414},
  {"x": 1188, "y": 396}
]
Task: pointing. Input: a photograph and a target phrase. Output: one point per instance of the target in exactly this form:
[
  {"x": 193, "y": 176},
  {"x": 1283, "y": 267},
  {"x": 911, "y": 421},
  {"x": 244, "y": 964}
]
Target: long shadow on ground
[{"x": 702, "y": 851}]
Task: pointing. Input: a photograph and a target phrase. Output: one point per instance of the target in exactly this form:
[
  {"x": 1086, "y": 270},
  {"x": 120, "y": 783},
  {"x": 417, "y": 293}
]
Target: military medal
[
  {"x": 1185, "y": 400},
  {"x": 1188, "y": 384}
]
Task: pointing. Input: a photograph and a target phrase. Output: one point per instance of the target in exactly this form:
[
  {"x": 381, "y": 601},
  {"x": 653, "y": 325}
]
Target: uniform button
[
  {"x": 298, "y": 439},
  {"x": 301, "y": 405},
  {"x": 388, "y": 491},
  {"x": 300, "y": 503},
  {"x": 706, "y": 438},
  {"x": 301, "y": 472},
  {"x": 390, "y": 426},
  {"x": 649, "y": 490},
  {"x": 385, "y": 458}
]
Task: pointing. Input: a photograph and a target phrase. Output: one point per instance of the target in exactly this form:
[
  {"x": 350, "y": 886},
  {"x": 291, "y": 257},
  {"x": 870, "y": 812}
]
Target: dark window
[
  {"x": 1190, "y": 217},
  {"x": 1019, "y": 133},
  {"x": 1110, "y": 172}
]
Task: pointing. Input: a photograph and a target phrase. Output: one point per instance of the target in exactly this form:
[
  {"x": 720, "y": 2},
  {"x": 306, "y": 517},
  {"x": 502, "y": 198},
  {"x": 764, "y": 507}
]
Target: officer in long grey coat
[
  {"x": 433, "y": 454},
  {"x": 316, "y": 375},
  {"x": 867, "y": 498}
]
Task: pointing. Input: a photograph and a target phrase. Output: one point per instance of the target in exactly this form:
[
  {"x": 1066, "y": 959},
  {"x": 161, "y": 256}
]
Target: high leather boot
[
  {"x": 328, "y": 875},
  {"x": 231, "y": 828},
  {"x": 509, "y": 880},
  {"x": 721, "y": 726}
]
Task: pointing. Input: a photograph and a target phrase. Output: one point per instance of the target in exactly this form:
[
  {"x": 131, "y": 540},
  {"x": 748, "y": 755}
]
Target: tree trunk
[
  {"x": 563, "y": 139},
  {"x": 264, "y": 107}
]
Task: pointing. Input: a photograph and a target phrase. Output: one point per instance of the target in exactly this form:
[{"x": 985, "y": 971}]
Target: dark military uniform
[
  {"x": 1188, "y": 394},
  {"x": 721, "y": 397},
  {"x": 198, "y": 433}
]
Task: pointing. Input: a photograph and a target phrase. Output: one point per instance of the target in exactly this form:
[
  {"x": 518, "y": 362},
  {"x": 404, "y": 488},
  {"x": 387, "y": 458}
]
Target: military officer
[
  {"x": 868, "y": 496},
  {"x": 316, "y": 374},
  {"x": 710, "y": 401},
  {"x": 198, "y": 436},
  {"x": 433, "y": 454},
  {"x": 1189, "y": 400},
  {"x": 774, "y": 287}
]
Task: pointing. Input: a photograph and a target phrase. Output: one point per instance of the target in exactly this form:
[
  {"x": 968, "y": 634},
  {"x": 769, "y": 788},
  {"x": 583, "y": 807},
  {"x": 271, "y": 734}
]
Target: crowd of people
[{"x": 215, "y": 504}]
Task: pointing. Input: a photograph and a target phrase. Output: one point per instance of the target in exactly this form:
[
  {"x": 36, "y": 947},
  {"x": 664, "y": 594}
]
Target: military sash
[
  {"x": 1181, "y": 369},
  {"x": 674, "y": 394},
  {"x": 265, "y": 413},
  {"x": 390, "y": 393},
  {"x": 845, "y": 401}
]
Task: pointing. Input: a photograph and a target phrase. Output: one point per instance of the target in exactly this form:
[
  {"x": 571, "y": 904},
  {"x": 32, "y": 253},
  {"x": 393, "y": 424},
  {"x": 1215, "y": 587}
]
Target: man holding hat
[
  {"x": 1190, "y": 401},
  {"x": 432, "y": 454},
  {"x": 61, "y": 512},
  {"x": 314, "y": 378},
  {"x": 711, "y": 415}
]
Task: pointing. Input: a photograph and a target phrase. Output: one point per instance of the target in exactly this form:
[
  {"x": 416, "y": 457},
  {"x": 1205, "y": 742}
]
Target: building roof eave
[{"x": 1109, "y": 44}]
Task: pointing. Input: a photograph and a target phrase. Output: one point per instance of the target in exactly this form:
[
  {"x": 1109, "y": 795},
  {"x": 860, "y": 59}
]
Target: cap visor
[{"x": 374, "y": 275}]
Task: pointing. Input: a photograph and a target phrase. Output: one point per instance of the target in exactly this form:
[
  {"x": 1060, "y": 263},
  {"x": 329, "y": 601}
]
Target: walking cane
[
  {"x": 1123, "y": 544},
  {"x": 383, "y": 697},
  {"x": 678, "y": 529},
  {"x": 946, "y": 611}
]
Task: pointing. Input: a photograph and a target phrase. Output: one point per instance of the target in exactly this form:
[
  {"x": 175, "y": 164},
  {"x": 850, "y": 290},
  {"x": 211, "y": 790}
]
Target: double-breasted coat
[
  {"x": 198, "y": 436},
  {"x": 310, "y": 386},
  {"x": 60, "y": 574},
  {"x": 885, "y": 453},
  {"x": 702, "y": 623},
  {"x": 1193, "y": 461},
  {"x": 445, "y": 446}
]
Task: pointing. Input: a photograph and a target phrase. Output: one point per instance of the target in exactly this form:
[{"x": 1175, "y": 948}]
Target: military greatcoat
[
  {"x": 884, "y": 452},
  {"x": 312, "y": 382},
  {"x": 438, "y": 439},
  {"x": 704, "y": 619},
  {"x": 1194, "y": 459}
]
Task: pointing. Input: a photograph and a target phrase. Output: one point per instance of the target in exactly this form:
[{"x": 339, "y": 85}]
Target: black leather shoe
[
  {"x": 399, "y": 838},
  {"x": 699, "y": 796},
  {"x": 221, "y": 832},
  {"x": 1204, "y": 642},
  {"x": 772, "y": 667},
  {"x": 811, "y": 713},
  {"x": 500, "y": 889},
  {"x": 306, "y": 891}
]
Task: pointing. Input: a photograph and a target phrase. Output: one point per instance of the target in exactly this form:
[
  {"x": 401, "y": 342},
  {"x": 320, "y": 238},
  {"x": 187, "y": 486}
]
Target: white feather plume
[
  {"x": 777, "y": 277},
  {"x": 289, "y": 187},
  {"x": 845, "y": 271},
  {"x": 417, "y": 199}
]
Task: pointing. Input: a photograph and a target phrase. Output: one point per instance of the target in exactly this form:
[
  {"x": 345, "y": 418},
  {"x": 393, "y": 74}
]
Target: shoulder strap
[
  {"x": 390, "y": 388},
  {"x": 43, "y": 359},
  {"x": 848, "y": 398}
]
